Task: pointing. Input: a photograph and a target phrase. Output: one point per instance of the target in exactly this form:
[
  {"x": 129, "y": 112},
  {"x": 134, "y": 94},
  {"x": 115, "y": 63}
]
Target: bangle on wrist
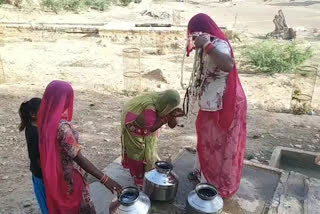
[
  {"x": 104, "y": 179},
  {"x": 206, "y": 44},
  {"x": 208, "y": 48}
]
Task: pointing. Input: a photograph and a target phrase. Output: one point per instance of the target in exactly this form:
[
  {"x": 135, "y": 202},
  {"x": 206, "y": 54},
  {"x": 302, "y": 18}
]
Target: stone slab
[
  {"x": 256, "y": 191},
  {"x": 290, "y": 195},
  {"x": 312, "y": 201}
]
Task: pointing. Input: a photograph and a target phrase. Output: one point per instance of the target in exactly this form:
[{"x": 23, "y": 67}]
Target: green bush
[
  {"x": 2, "y": 1},
  {"x": 98, "y": 4},
  {"x": 76, "y": 5},
  {"x": 275, "y": 57},
  {"x": 125, "y": 2}
]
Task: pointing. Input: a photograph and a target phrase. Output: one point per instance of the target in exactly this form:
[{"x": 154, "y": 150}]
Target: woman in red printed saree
[
  {"x": 221, "y": 121},
  {"x": 62, "y": 163},
  {"x": 141, "y": 118}
]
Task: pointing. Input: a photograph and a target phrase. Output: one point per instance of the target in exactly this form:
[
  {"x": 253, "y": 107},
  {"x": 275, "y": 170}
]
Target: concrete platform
[
  {"x": 296, "y": 160},
  {"x": 255, "y": 195},
  {"x": 299, "y": 187}
]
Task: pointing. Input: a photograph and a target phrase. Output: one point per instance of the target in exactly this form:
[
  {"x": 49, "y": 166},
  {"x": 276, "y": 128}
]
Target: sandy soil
[
  {"x": 95, "y": 71},
  {"x": 252, "y": 15},
  {"x": 97, "y": 119},
  {"x": 92, "y": 64}
]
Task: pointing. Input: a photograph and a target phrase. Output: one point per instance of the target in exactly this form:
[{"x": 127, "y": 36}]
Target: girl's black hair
[{"x": 26, "y": 110}]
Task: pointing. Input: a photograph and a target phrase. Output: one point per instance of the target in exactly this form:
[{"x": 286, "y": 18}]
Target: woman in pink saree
[
  {"x": 63, "y": 166},
  {"x": 221, "y": 121}
]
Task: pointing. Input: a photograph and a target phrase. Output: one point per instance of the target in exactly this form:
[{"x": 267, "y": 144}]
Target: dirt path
[{"x": 97, "y": 118}]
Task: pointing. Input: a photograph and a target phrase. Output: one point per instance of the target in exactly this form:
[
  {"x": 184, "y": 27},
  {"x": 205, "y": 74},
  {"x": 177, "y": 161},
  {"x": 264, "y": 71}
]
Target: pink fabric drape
[
  {"x": 221, "y": 134},
  {"x": 57, "y": 104},
  {"x": 137, "y": 167}
]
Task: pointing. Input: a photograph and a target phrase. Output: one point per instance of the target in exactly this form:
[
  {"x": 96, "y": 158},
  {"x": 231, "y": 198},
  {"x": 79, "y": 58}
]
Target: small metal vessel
[
  {"x": 204, "y": 200},
  {"x": 131, "y": 201},
  {"x": 161, "y": 183}
]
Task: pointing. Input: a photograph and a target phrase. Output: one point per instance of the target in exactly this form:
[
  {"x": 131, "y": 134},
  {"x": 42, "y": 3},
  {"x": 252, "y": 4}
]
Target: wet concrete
[
  {"x": 293, "y": 195},
  {"x": 182, "y": 166},
  {"x": 254, "y": 196},
  {"x": 256, "y": 192}
]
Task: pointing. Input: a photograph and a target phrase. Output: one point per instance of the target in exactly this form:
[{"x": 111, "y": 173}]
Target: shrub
[
  {"x": 76, "y": 5},
  {"x": 275, "y": 57},
  {"x": 125, "y": 2}
]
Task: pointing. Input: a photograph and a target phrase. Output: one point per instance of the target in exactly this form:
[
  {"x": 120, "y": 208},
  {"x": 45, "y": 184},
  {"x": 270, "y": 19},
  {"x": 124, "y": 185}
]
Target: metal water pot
[
  {"x": 131, "y": 201},
  {"x": 204, "y": 200},
  {"x": 161, "y": 183}
]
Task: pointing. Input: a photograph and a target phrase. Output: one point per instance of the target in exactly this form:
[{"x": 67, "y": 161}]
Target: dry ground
[{"x": 96, "y": 74}]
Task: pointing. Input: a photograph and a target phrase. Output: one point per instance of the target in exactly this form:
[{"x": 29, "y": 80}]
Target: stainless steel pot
[
  {"x": 131, "y": 201},
  {"x": 204, "y": 200},
  {"x": 161, "y": 183}
]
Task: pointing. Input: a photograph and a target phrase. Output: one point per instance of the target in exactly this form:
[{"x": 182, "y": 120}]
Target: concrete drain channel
[
  {"x": 298, "y": 188},
  {"x": 299, "y": 161}
]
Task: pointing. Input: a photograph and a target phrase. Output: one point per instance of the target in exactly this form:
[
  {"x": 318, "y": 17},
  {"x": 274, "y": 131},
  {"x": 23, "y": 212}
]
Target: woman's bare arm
[
  {"x": 85, "y": 164},
  {"x": 157, "y": 125},
  {"x": 221, "y": 60}
]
